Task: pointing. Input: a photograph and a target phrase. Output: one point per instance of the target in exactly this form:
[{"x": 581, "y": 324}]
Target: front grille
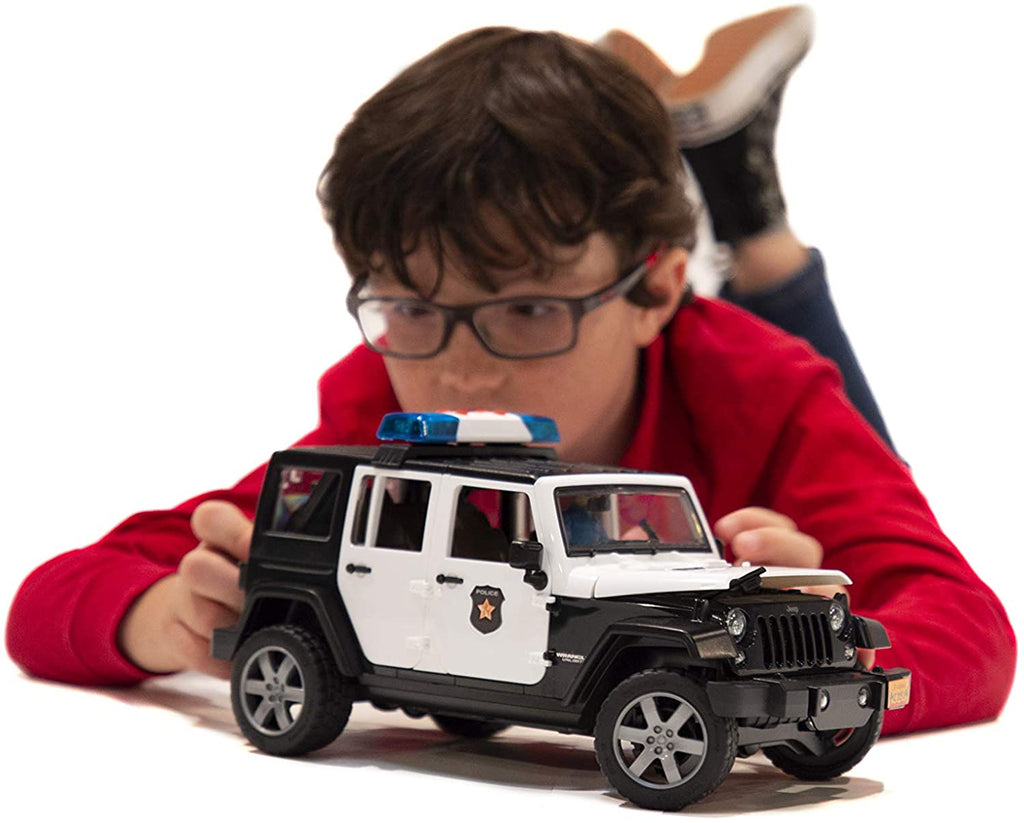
[{"x": 791, "y": 641}]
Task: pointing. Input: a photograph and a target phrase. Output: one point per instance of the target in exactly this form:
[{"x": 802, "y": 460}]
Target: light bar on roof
[{"x": 467, "y": 427}]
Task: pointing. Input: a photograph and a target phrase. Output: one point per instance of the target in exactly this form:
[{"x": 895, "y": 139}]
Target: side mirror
[{"x": 525, "y": 554}]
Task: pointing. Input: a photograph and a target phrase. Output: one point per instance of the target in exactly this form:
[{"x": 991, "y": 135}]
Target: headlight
[
  {"x": 836, "y": 617},
  {"x": 736, "y": 623}
]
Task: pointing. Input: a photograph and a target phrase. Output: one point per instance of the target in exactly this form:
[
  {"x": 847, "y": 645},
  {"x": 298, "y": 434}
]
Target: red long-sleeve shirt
[{"x": 749, "y": 414}]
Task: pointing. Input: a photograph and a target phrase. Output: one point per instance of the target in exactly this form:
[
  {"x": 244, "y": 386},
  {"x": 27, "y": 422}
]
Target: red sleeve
[
  {"x": 841, "y": 484},
  {"x": 64, "y": 619},
  {"x": 770, "y": 425}
]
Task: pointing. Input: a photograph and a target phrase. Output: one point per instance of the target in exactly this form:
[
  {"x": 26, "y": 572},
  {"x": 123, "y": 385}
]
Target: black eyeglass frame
[{"x": 452, "y": 315}]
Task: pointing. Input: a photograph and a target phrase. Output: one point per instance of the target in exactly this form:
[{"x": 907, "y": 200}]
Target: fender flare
[
  {"x": 701, "y": 642},
  {"x": 330, "y": 613}
]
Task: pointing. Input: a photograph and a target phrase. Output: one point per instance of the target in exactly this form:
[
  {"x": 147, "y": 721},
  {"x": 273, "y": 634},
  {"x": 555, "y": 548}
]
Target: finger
[
  {"x": 824, "y": 591},
  {"x": 752, "y": 517},
  {"x": 193, "y": 651},
  {"x": 202, "y": 615},
  {"x": 213, "y": 576},
  {"x": 222, "y": 525},
  {"x": 866, "y": 657},
  {"x": 777, "y": 546}
]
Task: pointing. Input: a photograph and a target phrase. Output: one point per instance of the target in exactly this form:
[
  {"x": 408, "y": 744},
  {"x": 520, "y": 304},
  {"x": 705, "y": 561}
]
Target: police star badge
[{"x": 485, "y": 615}]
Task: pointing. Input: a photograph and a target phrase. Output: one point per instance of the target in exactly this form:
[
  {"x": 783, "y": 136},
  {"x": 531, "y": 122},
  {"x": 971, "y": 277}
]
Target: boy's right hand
[{"x": 169, "y": 627}]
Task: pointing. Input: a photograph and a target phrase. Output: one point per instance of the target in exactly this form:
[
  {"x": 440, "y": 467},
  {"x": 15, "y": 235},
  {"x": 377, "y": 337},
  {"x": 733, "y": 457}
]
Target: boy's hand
[
  {"x": 766, "y": 538},
  {"x": 169, "y": 627}
]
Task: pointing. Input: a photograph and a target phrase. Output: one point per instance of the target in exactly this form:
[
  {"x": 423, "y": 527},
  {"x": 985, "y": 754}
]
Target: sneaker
[
  {"x": 742, "y": 65},
  {"x": 636, "y": 54},
  {"x": 724, "y": 113}
]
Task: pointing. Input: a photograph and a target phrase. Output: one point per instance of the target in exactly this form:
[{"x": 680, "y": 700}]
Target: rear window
[{"x": 306, "y": 500}]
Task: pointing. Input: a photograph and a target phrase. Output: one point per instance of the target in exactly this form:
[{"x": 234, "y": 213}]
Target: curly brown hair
[{"x": 548, "y": 134}]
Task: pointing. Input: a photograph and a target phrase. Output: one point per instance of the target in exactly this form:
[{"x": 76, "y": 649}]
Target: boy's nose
[{"x": 467, "y": 367}]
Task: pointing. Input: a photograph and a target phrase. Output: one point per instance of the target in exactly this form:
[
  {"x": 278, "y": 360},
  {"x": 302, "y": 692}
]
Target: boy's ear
[{"x": 666, "y": 280}]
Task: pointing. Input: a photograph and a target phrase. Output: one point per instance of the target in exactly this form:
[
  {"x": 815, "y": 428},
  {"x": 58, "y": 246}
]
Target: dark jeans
[{"x": 803, "y": 306}]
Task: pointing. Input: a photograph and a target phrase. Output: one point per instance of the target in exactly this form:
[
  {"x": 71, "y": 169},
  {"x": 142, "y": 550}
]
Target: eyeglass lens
[{"x": 514, "y": 328}]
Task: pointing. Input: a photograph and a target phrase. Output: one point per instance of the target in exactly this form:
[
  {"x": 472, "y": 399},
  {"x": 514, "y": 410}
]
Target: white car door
[
  {"x": 382, "y": 569},
  {"x": 485, "y": 621}
]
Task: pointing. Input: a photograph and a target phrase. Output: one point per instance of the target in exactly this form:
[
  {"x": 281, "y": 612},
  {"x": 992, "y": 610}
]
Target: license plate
[{"x": 899, "y": 693}]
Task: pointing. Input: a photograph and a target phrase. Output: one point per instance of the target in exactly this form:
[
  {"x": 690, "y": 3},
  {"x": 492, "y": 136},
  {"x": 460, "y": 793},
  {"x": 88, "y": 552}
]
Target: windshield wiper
[{"x": 648, "y": 530}]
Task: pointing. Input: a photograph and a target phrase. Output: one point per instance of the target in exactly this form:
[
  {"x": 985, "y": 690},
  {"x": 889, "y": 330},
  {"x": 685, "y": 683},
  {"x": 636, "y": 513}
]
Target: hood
[{"x": 633, "y": 577}]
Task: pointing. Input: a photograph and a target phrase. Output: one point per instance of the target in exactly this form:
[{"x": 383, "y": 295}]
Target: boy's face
[{"x": 591, "y": 390}]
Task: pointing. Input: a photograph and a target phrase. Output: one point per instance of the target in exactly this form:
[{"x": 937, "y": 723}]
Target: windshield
[{"x": 642, "y": 519}]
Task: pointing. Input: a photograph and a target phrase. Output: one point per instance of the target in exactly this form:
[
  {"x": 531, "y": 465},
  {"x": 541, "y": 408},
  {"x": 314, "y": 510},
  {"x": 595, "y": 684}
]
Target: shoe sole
[
  {"x": 638, "y": 56},
  {"x": 742, "y": 64}
]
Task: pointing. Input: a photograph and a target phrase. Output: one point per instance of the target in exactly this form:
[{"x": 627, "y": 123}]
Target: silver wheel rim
[
  {"x": 272, "y": 691},
  {"x": 660, "y": 740}
]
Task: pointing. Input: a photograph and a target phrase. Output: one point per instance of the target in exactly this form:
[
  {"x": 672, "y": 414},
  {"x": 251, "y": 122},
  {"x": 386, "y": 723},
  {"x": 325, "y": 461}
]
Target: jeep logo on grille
[
  {"x": 792, "y": 610},
  {"x": 485, "y": 615}
]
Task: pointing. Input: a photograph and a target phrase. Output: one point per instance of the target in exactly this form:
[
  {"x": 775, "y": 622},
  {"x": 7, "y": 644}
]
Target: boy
[{"x": 528, "y": 166}]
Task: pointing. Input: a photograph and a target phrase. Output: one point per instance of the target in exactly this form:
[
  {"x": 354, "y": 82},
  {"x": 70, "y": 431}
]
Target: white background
[{"x": 170, "y": 293}]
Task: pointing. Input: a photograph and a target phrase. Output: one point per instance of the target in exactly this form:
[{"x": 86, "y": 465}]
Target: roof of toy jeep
[
  {"x": 509, "y": 463},
  {"x": 510, "y": 468},
  {"x": 478, "y": 443}
]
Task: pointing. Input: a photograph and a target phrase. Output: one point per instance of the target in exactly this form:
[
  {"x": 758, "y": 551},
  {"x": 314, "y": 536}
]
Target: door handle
[
  {"x": 352, "y": 568},
  {"x": 447, "y": 578}
]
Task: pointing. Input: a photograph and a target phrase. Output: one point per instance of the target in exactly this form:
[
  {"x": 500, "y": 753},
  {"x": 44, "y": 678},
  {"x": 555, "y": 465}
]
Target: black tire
[
  {"x": 467, "y": 727},
  {"x": 842, "y": 751},
  {"x": 643, "y": 732},
  {"x": 286, "y": 691}
]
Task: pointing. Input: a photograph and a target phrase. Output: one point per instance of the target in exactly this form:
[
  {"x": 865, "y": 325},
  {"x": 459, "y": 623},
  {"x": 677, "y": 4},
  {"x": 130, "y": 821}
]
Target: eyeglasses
[{"x": 516, "y": 328}]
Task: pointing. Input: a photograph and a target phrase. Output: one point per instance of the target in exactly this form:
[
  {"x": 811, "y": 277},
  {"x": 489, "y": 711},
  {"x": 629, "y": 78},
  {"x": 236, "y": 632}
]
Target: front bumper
[{"x": 829, "y": 700}]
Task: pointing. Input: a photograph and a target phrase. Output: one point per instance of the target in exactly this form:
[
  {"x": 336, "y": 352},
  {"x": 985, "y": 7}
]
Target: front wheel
[
  {"x": 827, "y": 754},
  {"x": 659, "y": 743},
  {"x": 286, "y": 691}
]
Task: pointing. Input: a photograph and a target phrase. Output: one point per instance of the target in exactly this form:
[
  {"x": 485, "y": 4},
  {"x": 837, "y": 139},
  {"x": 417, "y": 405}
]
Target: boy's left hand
[{"x": 764, "y": 537}]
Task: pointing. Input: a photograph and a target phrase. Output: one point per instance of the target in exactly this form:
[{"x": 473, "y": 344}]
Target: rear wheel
[
  {"x": 659, "y": 743},
  {"x": 286, "y": 691}
]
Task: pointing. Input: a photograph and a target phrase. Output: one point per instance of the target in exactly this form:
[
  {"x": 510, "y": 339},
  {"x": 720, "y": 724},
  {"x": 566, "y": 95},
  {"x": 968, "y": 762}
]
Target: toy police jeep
[{"x": 489, "y": 585}]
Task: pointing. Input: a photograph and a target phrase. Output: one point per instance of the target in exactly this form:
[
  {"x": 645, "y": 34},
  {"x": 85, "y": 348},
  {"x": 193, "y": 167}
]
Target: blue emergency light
[{"x": 467, "y": 427}]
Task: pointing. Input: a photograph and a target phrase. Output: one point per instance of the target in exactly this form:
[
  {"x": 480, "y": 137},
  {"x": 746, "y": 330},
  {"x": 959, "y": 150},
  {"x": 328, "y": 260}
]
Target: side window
[
  {"x": 305, "y": 501},
  {"x": 362, "y": 514},
  {"x": 487, "y": 521},
  {"x": 403, "y": 513}
]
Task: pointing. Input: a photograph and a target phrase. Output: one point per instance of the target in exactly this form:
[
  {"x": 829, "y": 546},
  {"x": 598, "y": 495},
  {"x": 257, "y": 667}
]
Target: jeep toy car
[{"x": 468, "y": 575}]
